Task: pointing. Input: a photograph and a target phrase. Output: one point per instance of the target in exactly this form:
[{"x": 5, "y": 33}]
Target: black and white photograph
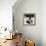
[{"x": 29, "y": 19}]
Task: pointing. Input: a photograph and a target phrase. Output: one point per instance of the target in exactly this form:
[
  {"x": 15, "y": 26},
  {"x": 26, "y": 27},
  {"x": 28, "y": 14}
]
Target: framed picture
[{"x": 29, "y": 19}]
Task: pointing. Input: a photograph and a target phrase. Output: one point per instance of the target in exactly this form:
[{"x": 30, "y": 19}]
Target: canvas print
[{"x": 29, "y": 19}]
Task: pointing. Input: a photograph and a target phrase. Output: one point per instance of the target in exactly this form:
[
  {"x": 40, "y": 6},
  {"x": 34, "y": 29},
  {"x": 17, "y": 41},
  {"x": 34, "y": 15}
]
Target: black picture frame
[{"x": 29, "y": 19}]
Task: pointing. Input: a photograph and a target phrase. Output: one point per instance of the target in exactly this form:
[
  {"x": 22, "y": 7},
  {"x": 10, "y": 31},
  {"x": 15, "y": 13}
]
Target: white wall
[
  {"x": 43, "y": 22},
  {"x": 6, "y": 13},
  {"x": 30, "y": 32},
  {"x": 36, "y": 32}
]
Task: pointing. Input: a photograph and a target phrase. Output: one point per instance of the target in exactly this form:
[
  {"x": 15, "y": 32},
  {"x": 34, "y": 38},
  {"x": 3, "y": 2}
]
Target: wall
[
  {"x": 43, "y": 22},
  {"x": 29, "y": 32},
  {"x": 6, "y": 13}
]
